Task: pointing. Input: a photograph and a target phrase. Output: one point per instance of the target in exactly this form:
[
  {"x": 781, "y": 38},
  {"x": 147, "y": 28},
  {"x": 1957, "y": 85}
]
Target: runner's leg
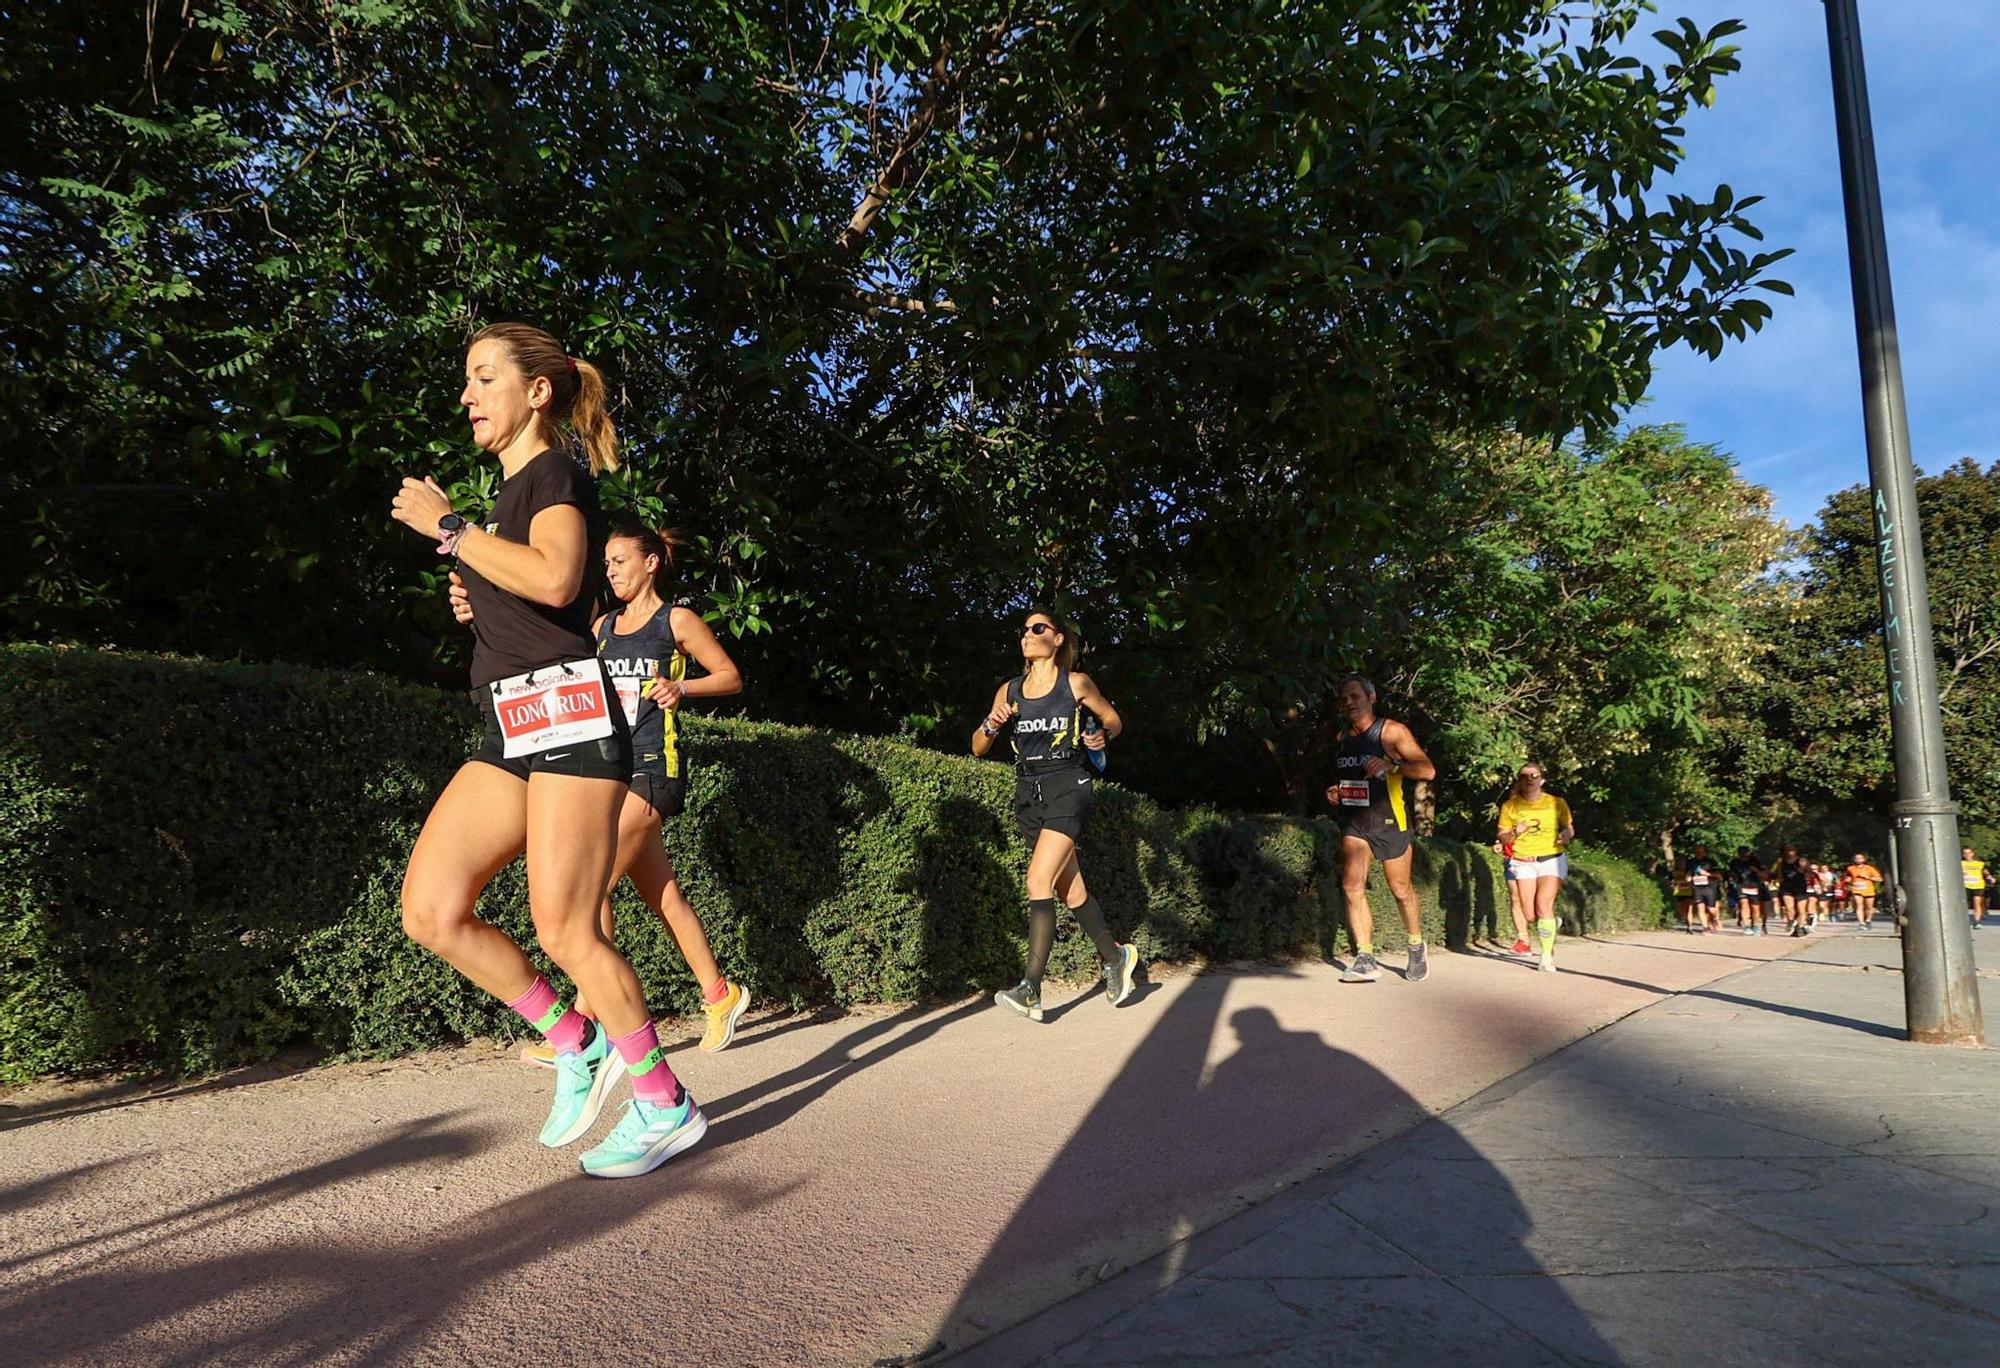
[
  {"x": 1397, "y": 872},
  {"x": 475, "y": 830},
  {"x": 1546, "y": 924},
  {"x": 572, "y": 847},
  {"x": 651, "y": 869},
  {"x": 1354, "y": 859},
  {"x": 1521, "y": 907}
]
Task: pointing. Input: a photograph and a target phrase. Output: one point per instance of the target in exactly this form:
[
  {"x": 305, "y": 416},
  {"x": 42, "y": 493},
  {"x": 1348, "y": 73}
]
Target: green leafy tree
[
  {"x": 1171, "y": 315},
  {"x": 1824, "y": 700}
]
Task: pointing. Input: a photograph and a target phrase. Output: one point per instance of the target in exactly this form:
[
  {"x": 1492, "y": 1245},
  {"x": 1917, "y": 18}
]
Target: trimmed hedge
[{"x": 200, "y": 864}]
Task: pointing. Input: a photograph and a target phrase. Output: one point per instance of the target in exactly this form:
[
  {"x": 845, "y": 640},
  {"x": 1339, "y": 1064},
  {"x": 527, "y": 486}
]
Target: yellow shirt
[
  {"x": 1975, "y": 874},
  {"x": 1543, "y": 818},
  {"x": 1863, "y": 878}
]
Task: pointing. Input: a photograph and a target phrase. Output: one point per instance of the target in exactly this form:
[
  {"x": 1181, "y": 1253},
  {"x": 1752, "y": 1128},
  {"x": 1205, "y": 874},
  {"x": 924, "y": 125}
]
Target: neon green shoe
[
  {"x": 583, "y": 1081},
  {"x": 645, "y": 1138}
]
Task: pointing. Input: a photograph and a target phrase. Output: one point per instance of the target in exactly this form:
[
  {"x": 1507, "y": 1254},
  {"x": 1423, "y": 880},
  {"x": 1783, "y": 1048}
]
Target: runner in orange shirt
[{"x": 1864, "y": 881}]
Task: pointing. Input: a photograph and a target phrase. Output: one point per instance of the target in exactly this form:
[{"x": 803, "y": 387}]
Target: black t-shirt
[{"x": 510, "y": 634}]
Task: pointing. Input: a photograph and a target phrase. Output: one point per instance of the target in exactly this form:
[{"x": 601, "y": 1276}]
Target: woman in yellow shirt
[
  {"x": 1975, "y": 884},
  {"x": 1535, "y": 832}
]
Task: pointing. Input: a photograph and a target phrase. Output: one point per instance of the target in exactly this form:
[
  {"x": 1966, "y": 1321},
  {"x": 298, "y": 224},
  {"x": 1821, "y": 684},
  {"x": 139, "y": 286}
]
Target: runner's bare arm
[
  {"x": 548, "y": 570},
  {"x": 1090, "y": 696},
  {"x": 1408, "y": 756},
  {"x": 698, "y": 639},
  {"x": 1002, "y": 714}
]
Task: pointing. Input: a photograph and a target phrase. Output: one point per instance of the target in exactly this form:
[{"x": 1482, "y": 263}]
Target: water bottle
[{"x": 1090, "y": 726}]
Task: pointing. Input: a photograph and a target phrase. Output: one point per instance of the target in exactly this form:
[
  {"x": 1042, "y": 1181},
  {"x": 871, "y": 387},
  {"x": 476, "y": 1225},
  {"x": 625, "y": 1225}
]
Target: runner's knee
[
  {"x": 431, "y": 919},
  {"x": 567, "y": 938}
]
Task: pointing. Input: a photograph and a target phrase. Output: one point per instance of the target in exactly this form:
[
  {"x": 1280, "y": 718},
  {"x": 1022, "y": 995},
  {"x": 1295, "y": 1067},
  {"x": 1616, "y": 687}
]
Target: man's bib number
[
  {"x": 557, "y": 706},
  {"x": 1353, "y": 792}
]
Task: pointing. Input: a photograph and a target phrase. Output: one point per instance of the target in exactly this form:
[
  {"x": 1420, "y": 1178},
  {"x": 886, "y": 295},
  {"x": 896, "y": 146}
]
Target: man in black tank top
[{"x": 1374, "y": 756}]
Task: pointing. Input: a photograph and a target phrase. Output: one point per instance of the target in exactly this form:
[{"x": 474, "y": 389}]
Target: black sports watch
[{"x": 451, "y": 522}]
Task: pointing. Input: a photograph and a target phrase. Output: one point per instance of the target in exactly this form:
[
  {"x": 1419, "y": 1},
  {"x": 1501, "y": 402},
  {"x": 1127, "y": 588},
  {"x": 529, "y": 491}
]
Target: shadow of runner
[
  {"x": 1175, "y": 1146},
  {"x": 824, "y": 1072},
  {"x": 305, "y": 1300}
]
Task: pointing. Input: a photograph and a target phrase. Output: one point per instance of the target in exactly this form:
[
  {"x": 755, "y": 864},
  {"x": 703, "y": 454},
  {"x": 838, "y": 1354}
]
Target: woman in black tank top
[
  {"x": 645, "y": 647},
  {"x": 1046, "y": 707}
]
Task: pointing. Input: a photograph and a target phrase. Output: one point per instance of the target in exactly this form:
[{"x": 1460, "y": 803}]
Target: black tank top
[
  {"x": 1361, "y": 795},
  {"x": 1046, "y": 728},
  {"x": 630, "y": 658}
]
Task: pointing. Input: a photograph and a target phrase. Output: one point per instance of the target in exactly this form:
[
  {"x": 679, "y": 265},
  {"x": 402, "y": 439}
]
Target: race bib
[
  {"x": 1698, "y": 880},
  {"x": 629, "y": 696},
  {"x": 1353, "y": 792},
  {"x": 551, "y": 707}
]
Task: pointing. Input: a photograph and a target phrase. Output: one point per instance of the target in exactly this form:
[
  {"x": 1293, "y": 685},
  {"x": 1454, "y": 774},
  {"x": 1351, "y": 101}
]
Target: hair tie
[{"x": 570, "y": 361}]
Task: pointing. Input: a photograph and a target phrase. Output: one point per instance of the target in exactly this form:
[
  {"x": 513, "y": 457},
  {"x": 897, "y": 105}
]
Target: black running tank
[
  {"x": 1364, "y": 797},
  {"x": 1046, "y": 729},
  {"x": 630, "y": 659}
]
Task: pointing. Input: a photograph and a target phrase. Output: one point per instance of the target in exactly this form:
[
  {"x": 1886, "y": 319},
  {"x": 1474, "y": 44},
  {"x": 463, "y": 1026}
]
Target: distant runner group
[
  {"x": 1751, "y": 892},
  {"x": 580, "y": 665}
]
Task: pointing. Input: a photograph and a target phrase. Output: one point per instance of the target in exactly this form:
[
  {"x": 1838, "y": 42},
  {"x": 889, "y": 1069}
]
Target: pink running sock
[
  {"x": 647, "y": 1063},
  {"x": 561, "y": 1026},
  {"x": 716, "y": 994}
]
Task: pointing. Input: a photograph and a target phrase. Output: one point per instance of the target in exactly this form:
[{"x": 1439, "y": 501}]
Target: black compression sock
[
  {"x": 1041, "y": 937},
  {"x": 1091, "y": 918}
]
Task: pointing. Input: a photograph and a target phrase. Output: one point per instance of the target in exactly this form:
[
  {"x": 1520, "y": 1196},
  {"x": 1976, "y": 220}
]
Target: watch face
[{"x": 451, "y": 522}]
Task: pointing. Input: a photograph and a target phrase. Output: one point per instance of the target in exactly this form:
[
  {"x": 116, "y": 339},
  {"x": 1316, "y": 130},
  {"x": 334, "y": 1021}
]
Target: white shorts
[{"x": 1548, "y": 867}]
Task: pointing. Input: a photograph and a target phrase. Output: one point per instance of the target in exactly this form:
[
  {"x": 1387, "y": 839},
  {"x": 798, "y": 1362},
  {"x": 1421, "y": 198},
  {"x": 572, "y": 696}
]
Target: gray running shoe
[
  {"x": 1418, "y": 966},
  {"x": 1024, "y": 998},
  {"x": 1118, "y": 975},
  {"x": 1361, "y": 969}
]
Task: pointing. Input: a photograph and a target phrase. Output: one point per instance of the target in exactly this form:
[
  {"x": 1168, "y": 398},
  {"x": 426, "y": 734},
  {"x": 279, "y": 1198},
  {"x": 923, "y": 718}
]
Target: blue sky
[{"x": 1787, "y": 403}]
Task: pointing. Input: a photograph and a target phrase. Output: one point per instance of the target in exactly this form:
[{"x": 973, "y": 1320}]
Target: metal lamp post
[{"x": 1940, "y": 992}]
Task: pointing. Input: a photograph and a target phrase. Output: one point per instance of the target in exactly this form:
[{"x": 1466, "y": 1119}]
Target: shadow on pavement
[
  {"x": 330, "y": 1300},
  {"x": 1177, "y": 1146},
  {"x": 112, "y": 1094},
  {"x": 1828, "y": 1018}
]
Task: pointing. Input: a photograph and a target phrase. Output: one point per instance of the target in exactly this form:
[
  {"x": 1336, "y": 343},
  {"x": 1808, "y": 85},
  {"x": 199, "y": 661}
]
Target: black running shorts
[
  {"x": 668, "y": 797},
  {"x": 1057, "y": 801},
  {"x": 607, "y": 758},
  {"x": 1707, "y": 894},
  {"x": 1386, "y": 841}
]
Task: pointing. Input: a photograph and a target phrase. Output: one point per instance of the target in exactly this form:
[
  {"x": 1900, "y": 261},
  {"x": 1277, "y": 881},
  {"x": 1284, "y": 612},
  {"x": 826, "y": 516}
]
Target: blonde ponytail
[{"x": 591, "y": 419}]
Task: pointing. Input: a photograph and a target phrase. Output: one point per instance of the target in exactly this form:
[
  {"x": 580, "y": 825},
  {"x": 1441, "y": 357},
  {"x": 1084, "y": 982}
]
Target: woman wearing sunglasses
[
  {"x": 1045, "y": 705},
  {"x": 1536, "y": 829}
]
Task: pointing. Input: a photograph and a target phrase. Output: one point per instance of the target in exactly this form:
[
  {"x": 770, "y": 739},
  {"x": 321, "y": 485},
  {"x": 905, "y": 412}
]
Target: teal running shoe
[
  {"x": 645, "y": 1138},
  {"x": 584, "y": 1079}
]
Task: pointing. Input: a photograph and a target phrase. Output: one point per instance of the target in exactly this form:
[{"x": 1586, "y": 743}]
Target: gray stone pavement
[{"x": 1758, "y": 1171}]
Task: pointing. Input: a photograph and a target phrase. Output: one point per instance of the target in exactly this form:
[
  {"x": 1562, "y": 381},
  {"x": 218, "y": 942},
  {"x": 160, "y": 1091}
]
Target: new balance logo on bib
[{"x": 556, "y": 706}]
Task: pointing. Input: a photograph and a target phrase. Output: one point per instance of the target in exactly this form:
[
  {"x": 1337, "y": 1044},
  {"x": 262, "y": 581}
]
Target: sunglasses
[{"x": 1036, "y": 629}]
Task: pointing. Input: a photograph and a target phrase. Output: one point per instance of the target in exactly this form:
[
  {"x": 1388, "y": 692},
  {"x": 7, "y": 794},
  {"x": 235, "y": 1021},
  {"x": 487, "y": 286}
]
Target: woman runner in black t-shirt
[
  {"x": 1053, "y": 791},
  {"x": 551, "y": 773}
]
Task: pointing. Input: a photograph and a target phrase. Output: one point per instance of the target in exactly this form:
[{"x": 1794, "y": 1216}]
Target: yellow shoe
[
  {"x": 722, "y": 1018},
  {"x": 539, "y": 1053}
]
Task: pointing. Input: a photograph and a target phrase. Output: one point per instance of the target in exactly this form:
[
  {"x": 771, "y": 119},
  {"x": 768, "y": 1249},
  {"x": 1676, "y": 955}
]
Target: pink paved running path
[{"x": 872, "y": 1183}]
